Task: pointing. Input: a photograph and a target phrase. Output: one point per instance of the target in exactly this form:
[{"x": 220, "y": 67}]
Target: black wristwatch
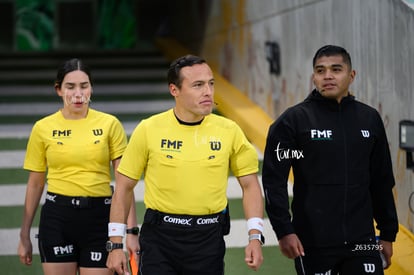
[
  {"x": 258, "y": 237},
  {"x": 133, "y": 230},
  {"x": 111, "y": 246}
]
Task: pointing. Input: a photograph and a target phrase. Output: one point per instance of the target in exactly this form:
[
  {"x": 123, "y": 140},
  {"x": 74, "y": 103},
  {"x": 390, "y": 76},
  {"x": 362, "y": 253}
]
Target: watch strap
[
  {"x": 110, "y": 246},
  {"x": 117, "y": 245},
  {"x": 133, "y": 230},
  {"x": 258, "y": 237}
]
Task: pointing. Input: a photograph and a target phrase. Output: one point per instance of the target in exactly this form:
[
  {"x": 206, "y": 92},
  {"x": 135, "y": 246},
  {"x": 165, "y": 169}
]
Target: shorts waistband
[
  {"x": 157, "y": 217},
  {"x": 77, "y": 202}
]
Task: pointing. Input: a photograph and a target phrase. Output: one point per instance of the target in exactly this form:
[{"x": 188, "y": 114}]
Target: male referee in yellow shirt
[{"x": 185, "y": 154}]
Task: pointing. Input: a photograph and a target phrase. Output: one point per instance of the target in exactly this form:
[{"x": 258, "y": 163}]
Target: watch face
[{"x": 109, "y": 246}]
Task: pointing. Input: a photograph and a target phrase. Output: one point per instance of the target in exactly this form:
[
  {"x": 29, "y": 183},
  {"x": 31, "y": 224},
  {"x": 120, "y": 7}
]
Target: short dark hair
[
  {"x": 174, "y": 76},
  {"x": 330, "y": 50},
  {"x": 74, "y": 64}
]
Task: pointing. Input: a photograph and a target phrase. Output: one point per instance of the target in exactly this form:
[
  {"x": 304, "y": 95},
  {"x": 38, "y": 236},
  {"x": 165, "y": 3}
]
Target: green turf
[
  {"x": 26, "y": 119},
  {"x": 11, "y": 265},
  {"x": 13, "y": 143},
  {"x": 13, "y": 175},
  {"x": 12, "y": 217},
  {"x": 274, "y": 263}
]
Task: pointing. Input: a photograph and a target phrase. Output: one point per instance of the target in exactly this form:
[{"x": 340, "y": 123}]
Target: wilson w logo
[
  {"x": 369, "y": 268},
  {"x": 96, "y": 256},
  {"x": 97, "y": 132},
  {"x": 365, "y": 133},
  {"x": 215, "y": 145}
]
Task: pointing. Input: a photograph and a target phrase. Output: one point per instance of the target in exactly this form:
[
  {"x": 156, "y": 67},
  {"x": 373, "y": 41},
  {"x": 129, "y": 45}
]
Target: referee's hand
[
  {"x": 25, "y": 251},
  {"x": 254, "y": 255},
  {"x": 117, "y": 262}
]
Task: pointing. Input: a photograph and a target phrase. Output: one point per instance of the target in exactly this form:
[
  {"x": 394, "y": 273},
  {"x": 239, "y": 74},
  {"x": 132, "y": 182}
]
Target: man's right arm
[
  {"x": 120, "y": 206},
  {"x": 275, "y": 175}
]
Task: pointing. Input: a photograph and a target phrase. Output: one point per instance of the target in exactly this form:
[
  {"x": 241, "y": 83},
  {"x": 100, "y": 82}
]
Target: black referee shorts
[
  {"x": 182, "y": 244},
  {"x": 348, "y": 260},
  {"x": 74, "y": 229}
]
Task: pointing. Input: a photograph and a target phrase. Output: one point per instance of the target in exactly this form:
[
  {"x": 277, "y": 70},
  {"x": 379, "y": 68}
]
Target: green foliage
[
  {"x": 34, "y": 24},
  {"x": 117, "y": 25}
]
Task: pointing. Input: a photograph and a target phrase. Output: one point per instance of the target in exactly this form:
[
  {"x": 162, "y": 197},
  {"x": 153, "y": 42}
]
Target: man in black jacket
[{"x": 338, "y": 151}]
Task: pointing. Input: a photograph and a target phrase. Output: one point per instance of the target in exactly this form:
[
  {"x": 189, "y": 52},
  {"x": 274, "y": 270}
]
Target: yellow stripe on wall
[{"x": 403, "y": 257}]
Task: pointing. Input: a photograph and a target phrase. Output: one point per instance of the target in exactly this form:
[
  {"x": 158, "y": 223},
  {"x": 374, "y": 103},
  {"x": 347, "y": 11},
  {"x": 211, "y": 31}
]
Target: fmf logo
[
  {"x": 61, "y": 133},
  {"x": 321, "y": 134},
  {"x": 171, "y": 144},
  {"x": 63, "y": 250}
]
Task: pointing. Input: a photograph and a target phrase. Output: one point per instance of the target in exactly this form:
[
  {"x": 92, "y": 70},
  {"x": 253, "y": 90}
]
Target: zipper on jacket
[{"x": 341, "y": 120}]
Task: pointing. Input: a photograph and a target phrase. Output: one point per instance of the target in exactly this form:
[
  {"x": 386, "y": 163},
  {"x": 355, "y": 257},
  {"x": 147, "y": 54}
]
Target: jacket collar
[{"x": 316, "y": 96}]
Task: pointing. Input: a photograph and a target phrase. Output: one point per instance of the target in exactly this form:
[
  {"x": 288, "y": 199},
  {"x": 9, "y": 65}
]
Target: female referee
[{"x": 72, "y": 150}]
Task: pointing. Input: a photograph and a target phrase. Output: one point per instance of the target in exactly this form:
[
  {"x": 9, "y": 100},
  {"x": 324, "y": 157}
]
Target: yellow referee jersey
[
  {"x": 76, "y": 153},
  {"x": 186, "y": 167}
]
